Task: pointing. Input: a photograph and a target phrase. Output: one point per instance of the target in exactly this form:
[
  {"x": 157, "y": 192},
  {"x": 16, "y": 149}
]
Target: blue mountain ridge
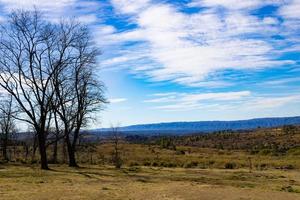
[{"x": 206, "y": 126}]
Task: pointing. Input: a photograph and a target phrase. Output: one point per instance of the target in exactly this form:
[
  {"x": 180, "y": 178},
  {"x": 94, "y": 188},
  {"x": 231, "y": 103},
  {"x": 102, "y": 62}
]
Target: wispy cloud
[
  {"x": 188, "y": 48},
  {"x": 242, "y": 100},
  {"x": 54, "y": 10},
  {"x": 220, "y": 96},
  {"x": 185, "y": 101},
  {"x": 291, "y": 9},
  {"x": 269, "y": 102},
  {"x": 117, "y": 100},
  {"x": 30, "y": 4},
  {"x": 282, "y": 82}
]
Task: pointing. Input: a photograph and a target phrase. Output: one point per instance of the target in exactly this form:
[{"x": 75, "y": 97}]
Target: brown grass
[
  {"x": 138, "y": 154},
  {"x": 104, "y": 182}
]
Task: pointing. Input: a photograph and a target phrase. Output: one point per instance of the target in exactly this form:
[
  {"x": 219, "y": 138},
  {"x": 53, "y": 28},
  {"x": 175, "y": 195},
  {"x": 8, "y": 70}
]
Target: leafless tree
[
  {"x": 7, "y": 124},
  {"x": 57, "y": 136},
  {"x": 116, "y": 141},
  {"x": 78, "y": 93},
  {"x": 49, "y": 70},
  {"x": 29, "y": 57}
]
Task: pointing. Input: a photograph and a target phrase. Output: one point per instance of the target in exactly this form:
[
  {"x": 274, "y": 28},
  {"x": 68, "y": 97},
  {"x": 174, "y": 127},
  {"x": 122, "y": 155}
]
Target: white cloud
[
  {"x": 54, "y": 10},
  {"x": 291, "y": 9},
  {"x": 229, "y": 4},
  {"x": 188, "y": 48},
  {"x": 207, "y": 84},
  {"x": 230, "y": 101},
  {"x": 130, "y": 6},
  {"x": 223, "y": 96},
  {"x": 41, "y": 4},
  {"x": 87, "y": 19},
  {"x": 282, "y": 82},
  {"x": 270, "y": 102},
  {"x": 184, "y": 100},
  {"x": 117, "y": 100}
]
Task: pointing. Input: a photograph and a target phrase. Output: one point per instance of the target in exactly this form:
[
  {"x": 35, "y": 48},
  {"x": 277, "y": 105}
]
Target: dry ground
[{"x": 104, "y": 182}]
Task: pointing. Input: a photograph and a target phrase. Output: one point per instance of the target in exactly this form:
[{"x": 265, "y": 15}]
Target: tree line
[{"x": 48, "y": 80}]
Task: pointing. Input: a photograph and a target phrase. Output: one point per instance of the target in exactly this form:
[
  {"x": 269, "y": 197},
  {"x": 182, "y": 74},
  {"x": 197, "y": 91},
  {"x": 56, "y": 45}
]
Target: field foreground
[{"x": 105, "y": 182}]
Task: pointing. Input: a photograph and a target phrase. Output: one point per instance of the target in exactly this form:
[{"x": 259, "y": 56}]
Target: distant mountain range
[{"x": 174, "y": 128}]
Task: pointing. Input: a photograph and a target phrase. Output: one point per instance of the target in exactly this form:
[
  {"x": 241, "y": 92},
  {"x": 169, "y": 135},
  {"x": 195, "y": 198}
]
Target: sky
[{"x": 189, "y": 60}]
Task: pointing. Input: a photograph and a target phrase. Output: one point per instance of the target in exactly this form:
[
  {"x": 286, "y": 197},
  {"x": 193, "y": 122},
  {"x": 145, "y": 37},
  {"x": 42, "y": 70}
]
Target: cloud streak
[
  {"x": 55, "y": 10},
  {"x": 230, "y": 101},
  {"x": 117, "y": 100},
  {"x": 189, "y": 48}
]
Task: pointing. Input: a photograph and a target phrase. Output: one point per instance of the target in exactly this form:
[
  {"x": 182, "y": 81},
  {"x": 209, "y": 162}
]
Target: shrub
[
  {"x": 163, "y": 164},
  {"x": 294, "y": 151},
  {"x": 289, "y": 189},
  {"x": 180, "y": 152},
  {"x": 147, "y": 163},
  {"x": 288, "y": 167},
  {"x": 134, "y": 169},
  {"x": 34, "y": 162},
  {"x": 230, "y": 165},
  {"x": 132, "y": 164},
  {"x": 172, "y": 165},
  {"x": 265, "y": 152},
  {"x": 263, "y": 166},
  {"x": 211, "y": 162},
  {"x": 191, "y": 164},
  {"x": 117, "y": 161},
  {"x": 187, "y": 165},
  {"x": 254, "y": 151}
]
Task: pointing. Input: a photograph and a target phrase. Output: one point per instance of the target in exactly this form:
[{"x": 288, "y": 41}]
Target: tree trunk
[
  {"x": 4, "y": 150},
  {"x": 26, "y": 148},
  {"x": 54, "y": 156},
  {"x": 42, "y": 148},
  {"x": 71, "y": 153},
  {"x": 64, "y": 151},
  {"x": 34, "y": 146},
  {"x": 72, "y": 159}
]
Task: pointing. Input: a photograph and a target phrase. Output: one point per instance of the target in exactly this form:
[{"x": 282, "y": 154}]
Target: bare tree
[
  {"x": 116, "y": 141},
  {"x": 58, "y": 135},
  {"x": 50, "y": 68},
  {"x": 78, "y": 93},
  {"x": 29, "y": 57},
  {"x": 7, "y": 124}
]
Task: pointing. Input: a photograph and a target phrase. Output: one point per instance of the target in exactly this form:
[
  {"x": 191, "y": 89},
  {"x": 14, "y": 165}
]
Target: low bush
[
  {"x": 211, "y": 162},
  {"x": 180, "y": 152},
  {"x": 263, "y": 166},
  {"x": 289, "y": 189},
  {"x": 230, "y": 165},
  {"x": 294, "y": 151},
  {"x": 132, "y": 164},
  {"x": 288, "y": 167},
  {"x": 147, "y": 163},
  {"x": 191, "y": 164},
  {"x": 171, "y": 165}
]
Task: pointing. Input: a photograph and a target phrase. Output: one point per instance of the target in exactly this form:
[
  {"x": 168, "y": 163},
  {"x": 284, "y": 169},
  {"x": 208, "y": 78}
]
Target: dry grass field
[
  {"x": 150, "y": 171},
  {"x": 191, "y": 157},
  {"x": 19, "y": 182}
]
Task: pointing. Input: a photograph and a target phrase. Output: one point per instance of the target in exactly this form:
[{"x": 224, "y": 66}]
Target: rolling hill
[{"x": 175, "y": 128}]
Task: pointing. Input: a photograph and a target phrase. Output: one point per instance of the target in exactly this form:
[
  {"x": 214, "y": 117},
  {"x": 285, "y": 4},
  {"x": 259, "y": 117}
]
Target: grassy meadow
[
  {"x": 168, "y": 168},
  {"x": 105, "y": 182}
]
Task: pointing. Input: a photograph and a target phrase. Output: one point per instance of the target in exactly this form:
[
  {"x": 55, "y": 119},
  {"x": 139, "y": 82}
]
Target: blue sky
[{"x": 189, "y": 60}]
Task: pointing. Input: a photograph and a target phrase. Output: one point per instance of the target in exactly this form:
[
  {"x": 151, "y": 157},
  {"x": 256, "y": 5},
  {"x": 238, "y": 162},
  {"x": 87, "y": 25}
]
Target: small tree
[
  {"x": 7, "y": 124},
  {"x": 116, "y": 154}
]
